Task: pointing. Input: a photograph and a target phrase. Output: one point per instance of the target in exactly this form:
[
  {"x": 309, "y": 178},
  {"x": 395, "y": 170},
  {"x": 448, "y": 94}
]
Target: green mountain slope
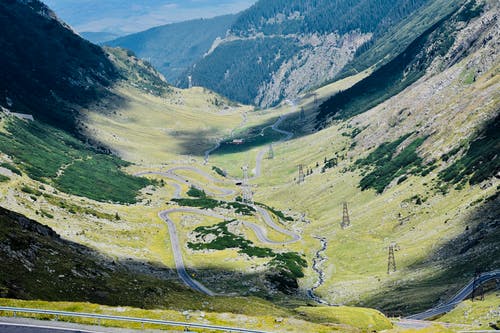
[
  {"x": 405, "y": 69},
  {"x": 414, "y": 153},
  {"x": 46, "y": 69},
  {"x": 174, "y": 47},
  {"x": 54, "y": 81},
  {"x": 39, "y": 264}
]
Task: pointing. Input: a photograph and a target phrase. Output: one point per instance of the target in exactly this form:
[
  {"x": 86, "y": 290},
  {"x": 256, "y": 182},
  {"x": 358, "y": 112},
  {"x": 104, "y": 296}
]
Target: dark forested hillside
[
  {"x": 174, "y": 47},
  {"x": 45, "y": 67},
  {"x": 324, "y": 36},
  {"x": 238, "y": 68},
  {"x": 283, "y": 16},
  {"x": 402, "y": 71}
]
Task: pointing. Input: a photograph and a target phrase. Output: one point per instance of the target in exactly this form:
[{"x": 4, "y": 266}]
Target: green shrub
[
  {"x": 328, "y": 164},
  {"x": 209, "y": 203},
  {"x": 206, "y": 203},
  {"x": 12, "y": 168},
  {"x": 196, "y": 193},
  {"x": 388, "y": 167},
  {"x": 46, "y": 214},
  {"x": 29, "y": 190},
  {"x": 44, "y": 151},
  {"x": 480, "y": 161},
  {"x": 276, "y": 212},
  {"x": 219, "y": 171},
  {"x": 240, "y": 208},
  {"x": 402, "y": 179},
  {"x": 4, "y": 179}
]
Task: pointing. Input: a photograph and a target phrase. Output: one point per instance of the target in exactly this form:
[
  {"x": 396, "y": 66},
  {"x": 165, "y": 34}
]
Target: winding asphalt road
[
  {"x": 260, "y": 155},
  {"x": 260, "y": 232},
  {"x": 214, "y": 190},
  {"x": 459, "y": 297}
]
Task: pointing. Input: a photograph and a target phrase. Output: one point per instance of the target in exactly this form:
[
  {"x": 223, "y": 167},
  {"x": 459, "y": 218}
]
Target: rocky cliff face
[
  {"x": 320, "y": 60},
  {"x": 278, "y": 50}
]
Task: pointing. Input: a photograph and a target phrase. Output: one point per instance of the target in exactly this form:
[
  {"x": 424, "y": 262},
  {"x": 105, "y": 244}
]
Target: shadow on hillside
[
  {"x": 260, "y": 135},
  {"x": 39, "y": 265},
  {"x": 456, "y": 261}
]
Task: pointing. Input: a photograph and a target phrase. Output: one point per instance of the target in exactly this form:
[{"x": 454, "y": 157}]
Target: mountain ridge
[
  {"x": 48, "y": 79},
  {"x": 327, "y": 43},
  {"x": 172, "y": 48}
]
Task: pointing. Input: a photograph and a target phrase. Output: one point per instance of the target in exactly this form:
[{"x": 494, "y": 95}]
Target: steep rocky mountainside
[
  {"x": 38, "y": 264},
  {"x": 277, "y": 50},
  {"x": 46, "y": 69},
  {"x": 432, "y": 50},
  {"x": 50, "y": 72},
  {"x": 173, "y": 48}
]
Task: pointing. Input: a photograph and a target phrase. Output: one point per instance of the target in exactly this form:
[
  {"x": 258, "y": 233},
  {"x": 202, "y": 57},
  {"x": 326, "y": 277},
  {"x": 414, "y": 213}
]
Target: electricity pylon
[
  {"x": 391, "y": 262},
  {"x": 247, "y": 191},
  {"x": 270, "y": 153},
  {"x": 302, "y": 176},
  {"x": 346, "y": 221}
]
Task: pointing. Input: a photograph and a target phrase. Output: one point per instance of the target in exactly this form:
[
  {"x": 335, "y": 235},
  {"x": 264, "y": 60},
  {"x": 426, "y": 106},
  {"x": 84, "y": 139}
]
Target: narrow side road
[
  {"x": 214, "y": 190},
  {"x": 260, "y": 232},
  {"x": 459, "y": 297}
]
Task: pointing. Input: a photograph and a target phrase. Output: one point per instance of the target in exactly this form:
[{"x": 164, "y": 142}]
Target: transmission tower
[
  {"x": 270, "y": 153},
  {"x": 346, "y": 221},
  {"x": 302, "y": 114},
  {"x": 391, "y": 264},
  {"x": 245, "y": 187},
  {"x": 302, "y": 176}
]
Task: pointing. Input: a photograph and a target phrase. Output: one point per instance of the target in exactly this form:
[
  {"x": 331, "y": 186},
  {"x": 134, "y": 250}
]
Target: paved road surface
[
  {"x": 211, "y": 189},
  {"x": 38, "y": 326},
  {"x": 214, "y": 190},
  {"x": 25, "y": 325},
  {"x": 260, "y": 155},
  {"x": 260, "y": 232},
  {"x": 459, "y": 297}
]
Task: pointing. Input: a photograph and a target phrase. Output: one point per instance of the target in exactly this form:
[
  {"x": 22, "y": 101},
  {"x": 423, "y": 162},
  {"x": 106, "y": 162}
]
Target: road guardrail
[{"x": 100, "y": 317}]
